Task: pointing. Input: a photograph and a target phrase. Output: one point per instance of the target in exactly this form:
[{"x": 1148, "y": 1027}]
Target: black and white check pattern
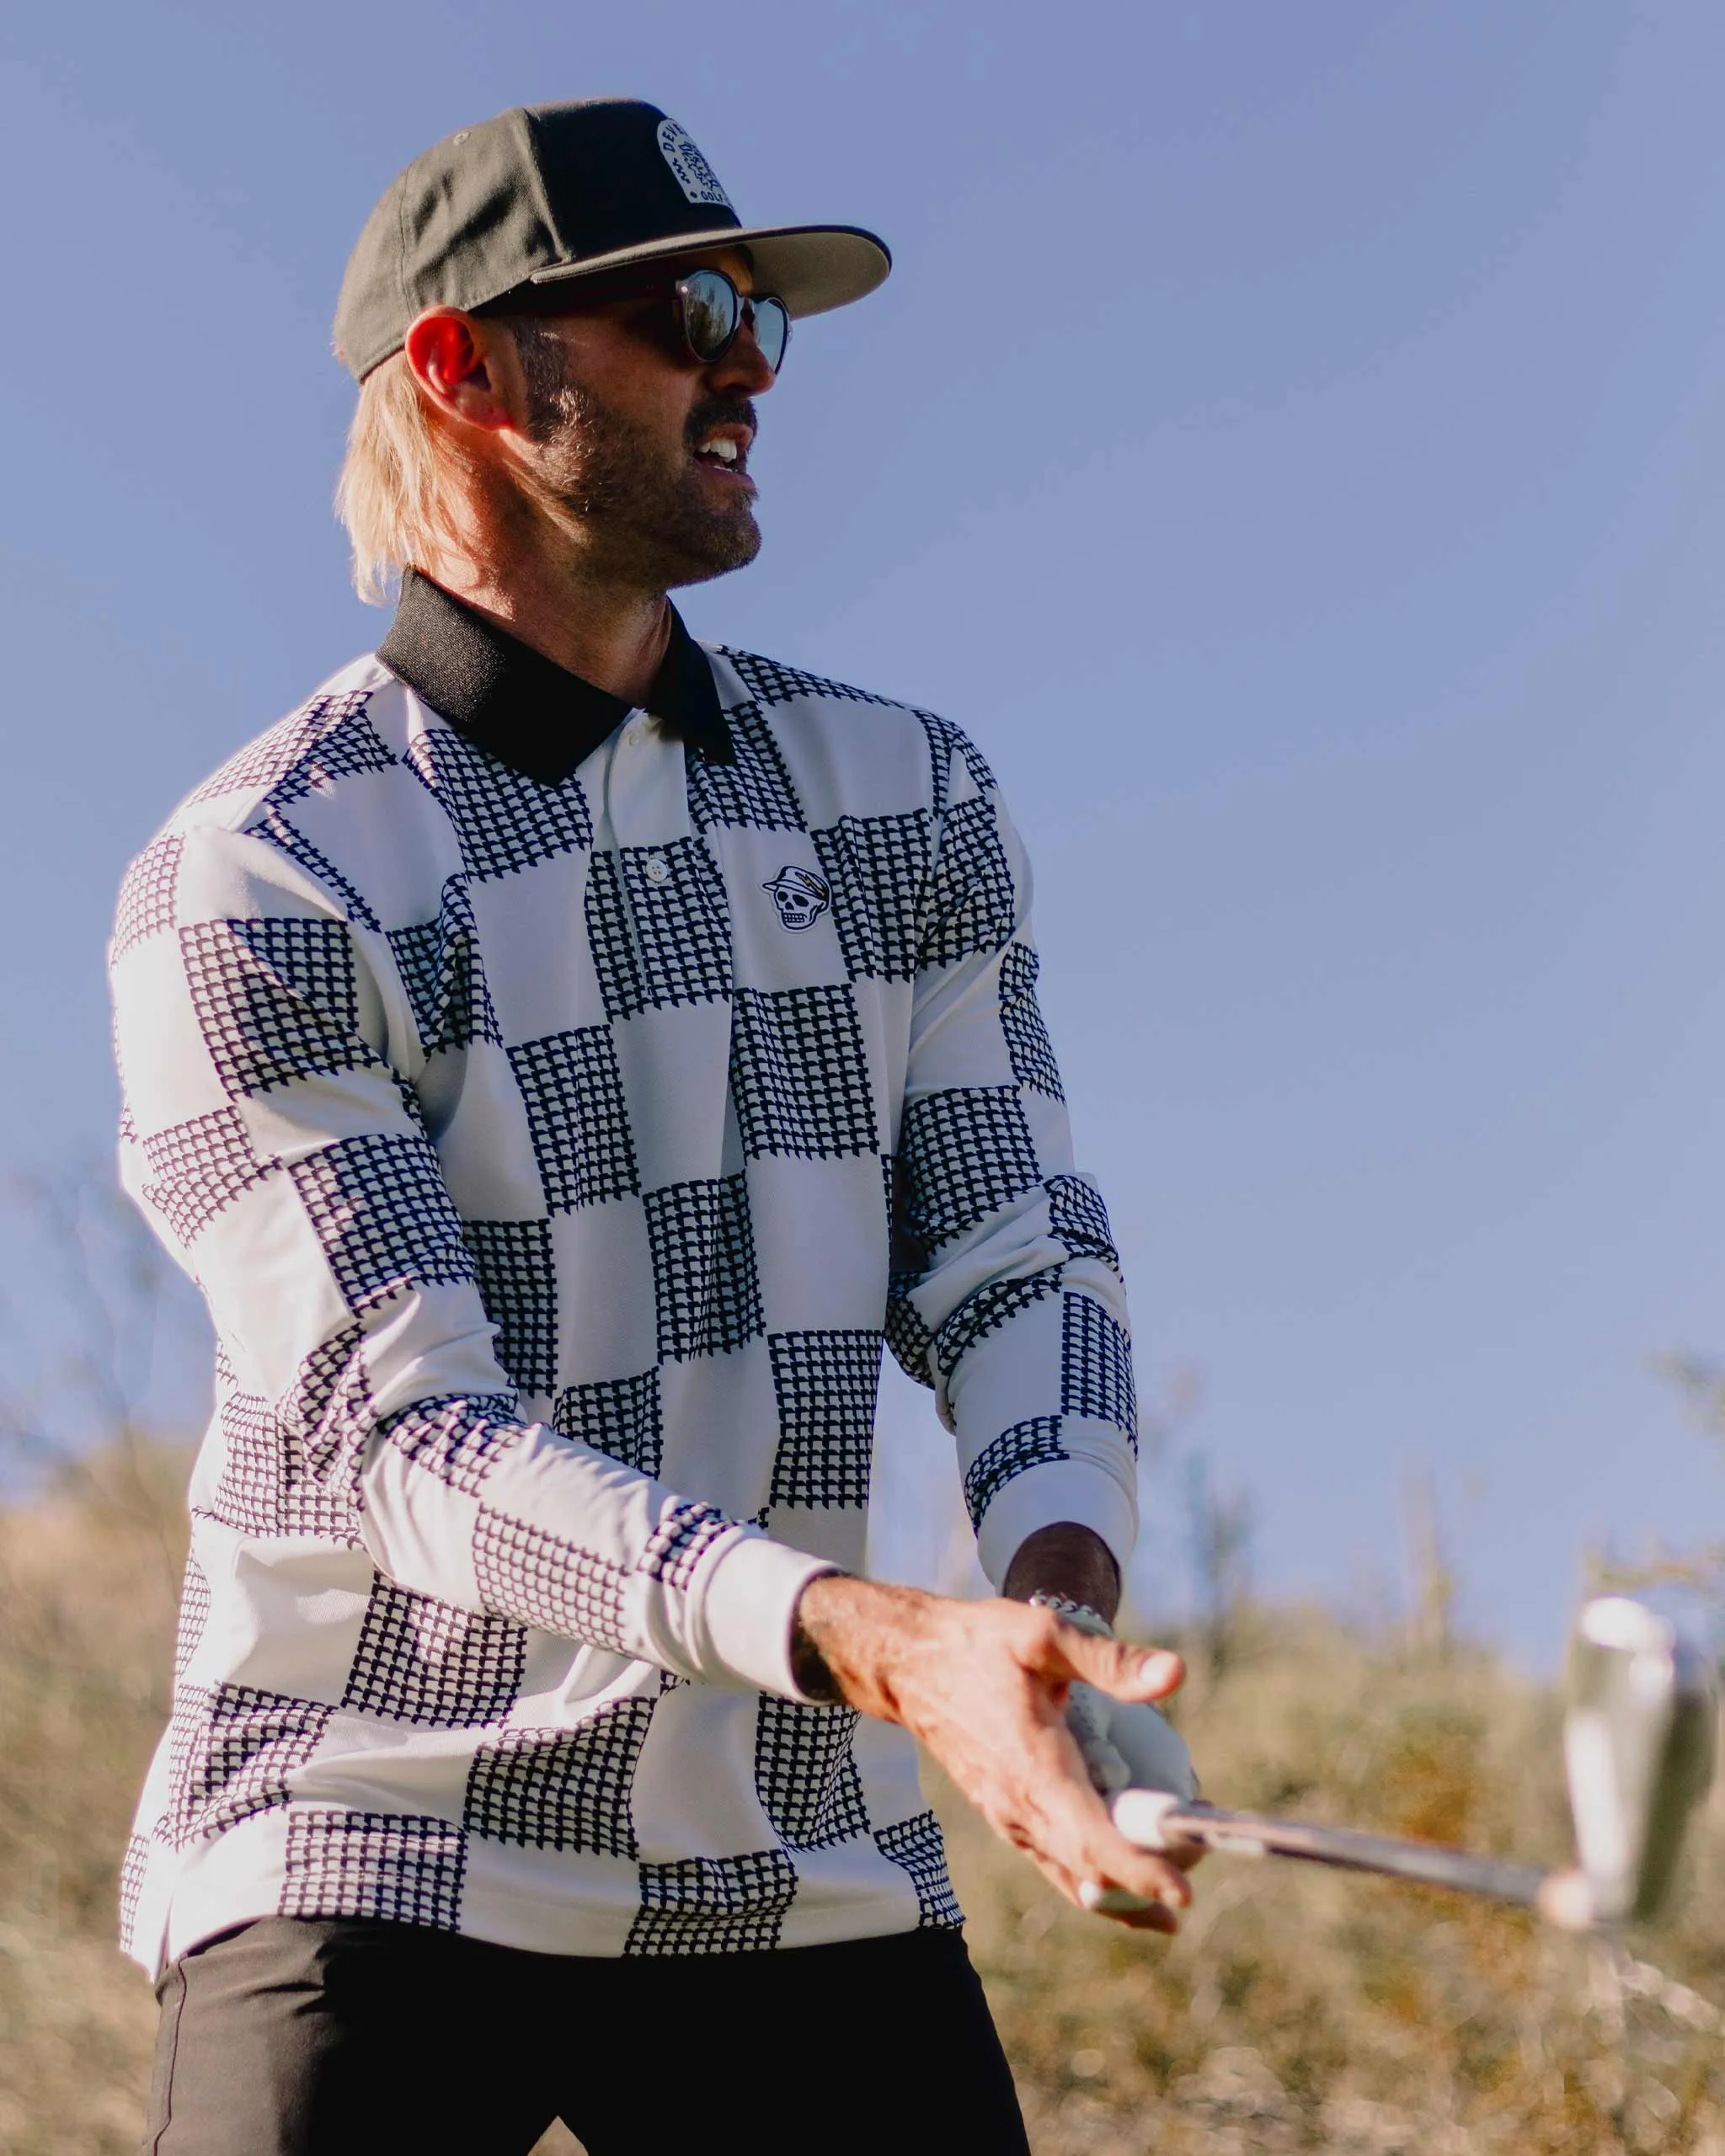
[
  {"x": 265, "y": 1485},
  {"x": 714, "y": 1904},
  {"x": 1080, "y": 1220},
  {"x": 134, "y": 1869},
  {"x": 523, "y": 1572},
  {"x": 877, "y": 868},
  {"x": 281, "y": 763},
  {"x": 420, "y": 1660},
  {"x": 147, "y": 895},
  {"x": 458, "y": 1441},
  {"x": 826, "y": 1384},
  {"x": 754, "y": 791},
  {"x": 572, "y": 1092},
  {"x": 504, "y": 823},
  {"x": 397, "y": 1867},
  {"x": 1033, "y": 1443},
  {"x": 444, "y": 973},
  {"x": 685, "y": 1531},
  {"x": 622, "y": 1417},
  {"x": 805, "y": 1774},
  {"x": 706, "y": 1284},
  {"x": 965, "y": 1153},
  {"x": 472, "y": 1097},
  {"x": 656, "y": 922},
  {"x": 1096, "y": 1367},
  {"x": 561, "y": 1789},
  {"x": 198, "y": 1168},
  {"x": 972, "y": 903},
  {"x": 516, "y": 1275},
  {"x": 276, "y": 999},
  {"x": 233, "y": 1751},
  {"x": 986, "y": 1312},
  {"x": 1028, "y": 1044},
  {"x": 381, "y": 1212},
  {"x": 194, "y": 1616},
  {"x": 800, "y": 1073},
  {"x": 914, "y": 1845}
]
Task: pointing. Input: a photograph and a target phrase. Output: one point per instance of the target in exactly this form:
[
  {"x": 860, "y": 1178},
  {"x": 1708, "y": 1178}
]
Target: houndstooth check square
[
  {"x": 800, "y": 1073},
  {"x": 561, "y": 1789},
  {"x": 573, "y": 1093}
]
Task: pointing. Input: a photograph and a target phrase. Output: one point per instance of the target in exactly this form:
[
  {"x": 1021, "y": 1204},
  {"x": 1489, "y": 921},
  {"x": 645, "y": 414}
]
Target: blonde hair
[{"x": 397, "y": 493}]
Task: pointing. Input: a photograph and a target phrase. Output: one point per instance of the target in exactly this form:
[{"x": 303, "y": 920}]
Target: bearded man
[{"x": 562, "y": 1054}]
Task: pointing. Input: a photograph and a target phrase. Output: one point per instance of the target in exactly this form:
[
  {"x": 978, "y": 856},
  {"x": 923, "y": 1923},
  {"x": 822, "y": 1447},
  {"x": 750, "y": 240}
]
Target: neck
[{"x": 612, "y": 634}]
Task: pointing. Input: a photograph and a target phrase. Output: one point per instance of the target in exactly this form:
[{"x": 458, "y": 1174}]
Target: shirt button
[
  {"x": 657, "y": 869},
  {"x": 635, "y": 736}
]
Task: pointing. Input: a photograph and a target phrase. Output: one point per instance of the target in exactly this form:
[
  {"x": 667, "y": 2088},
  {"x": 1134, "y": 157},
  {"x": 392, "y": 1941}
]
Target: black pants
[{"x": 302, "y": 2037}]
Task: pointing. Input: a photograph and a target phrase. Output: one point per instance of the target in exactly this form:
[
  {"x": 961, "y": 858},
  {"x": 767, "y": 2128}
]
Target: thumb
[{"x": 1116, "y": 1667}]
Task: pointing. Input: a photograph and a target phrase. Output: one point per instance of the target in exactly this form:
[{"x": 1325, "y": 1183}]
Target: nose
[{"x": 743, "y": 369}]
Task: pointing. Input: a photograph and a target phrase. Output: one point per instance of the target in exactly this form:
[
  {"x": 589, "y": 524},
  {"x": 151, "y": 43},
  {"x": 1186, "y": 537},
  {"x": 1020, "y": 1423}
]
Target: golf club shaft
[{"x": 1248, "y": 1834}]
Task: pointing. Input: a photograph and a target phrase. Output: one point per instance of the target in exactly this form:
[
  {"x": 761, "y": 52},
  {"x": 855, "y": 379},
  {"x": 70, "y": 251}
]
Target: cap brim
[{"x": 812, "y": 268}]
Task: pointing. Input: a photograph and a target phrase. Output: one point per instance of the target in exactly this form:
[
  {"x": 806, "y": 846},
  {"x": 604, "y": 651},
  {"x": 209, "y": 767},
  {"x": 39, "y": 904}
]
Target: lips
[
  {"x": 724, "y": 449},
  {"x": 721, "y": 433}
]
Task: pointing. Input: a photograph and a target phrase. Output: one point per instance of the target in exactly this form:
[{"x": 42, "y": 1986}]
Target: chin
[{"x": 698, "y": 557}]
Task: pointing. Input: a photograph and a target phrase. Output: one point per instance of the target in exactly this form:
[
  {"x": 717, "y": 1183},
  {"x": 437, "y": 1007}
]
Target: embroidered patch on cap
[
  {"x": 801, "y": 897},
  {"x": 691, "y": 171}
]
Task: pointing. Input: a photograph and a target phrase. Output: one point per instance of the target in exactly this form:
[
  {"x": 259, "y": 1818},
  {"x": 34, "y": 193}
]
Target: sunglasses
[
  {"x": 713, "y": 312},
  {"x": 709, "y": 311}
]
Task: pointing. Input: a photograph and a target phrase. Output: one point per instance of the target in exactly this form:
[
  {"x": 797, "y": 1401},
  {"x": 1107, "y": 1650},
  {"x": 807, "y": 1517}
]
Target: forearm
[{"x": 521, "y": 1523}]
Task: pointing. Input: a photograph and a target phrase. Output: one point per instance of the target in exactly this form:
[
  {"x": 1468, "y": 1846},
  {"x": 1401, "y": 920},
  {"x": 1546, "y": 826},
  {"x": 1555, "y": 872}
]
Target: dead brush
[{"x": 1300, "y": 2009}]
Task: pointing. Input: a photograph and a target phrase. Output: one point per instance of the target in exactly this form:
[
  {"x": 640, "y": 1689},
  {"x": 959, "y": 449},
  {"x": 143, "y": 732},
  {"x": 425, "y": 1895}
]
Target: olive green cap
[{"x": 548, "y": 193}]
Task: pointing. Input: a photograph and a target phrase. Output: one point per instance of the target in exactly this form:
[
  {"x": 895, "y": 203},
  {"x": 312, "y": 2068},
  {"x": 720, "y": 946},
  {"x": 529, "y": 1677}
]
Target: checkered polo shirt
[{"x": 558, "y": 1105}]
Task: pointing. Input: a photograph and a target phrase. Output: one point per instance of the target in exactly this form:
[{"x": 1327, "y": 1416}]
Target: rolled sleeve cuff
[
  {"x": 1090, "y": 1492},
  {"x": 741, "y": 1635}
]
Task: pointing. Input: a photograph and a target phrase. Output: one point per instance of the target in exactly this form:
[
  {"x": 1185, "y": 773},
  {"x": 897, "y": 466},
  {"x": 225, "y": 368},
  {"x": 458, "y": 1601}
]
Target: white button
[
  {"x": 635, "y": 736},
  {"x": 657, "y": 869}
]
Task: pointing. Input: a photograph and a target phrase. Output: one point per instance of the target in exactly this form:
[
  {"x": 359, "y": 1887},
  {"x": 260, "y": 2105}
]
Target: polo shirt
[{"x": 558, "y": 1105}]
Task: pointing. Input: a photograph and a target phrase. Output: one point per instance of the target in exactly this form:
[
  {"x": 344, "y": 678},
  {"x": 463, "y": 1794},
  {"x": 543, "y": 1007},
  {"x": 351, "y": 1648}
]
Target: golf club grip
[{"x": 1346, "y": 1847}]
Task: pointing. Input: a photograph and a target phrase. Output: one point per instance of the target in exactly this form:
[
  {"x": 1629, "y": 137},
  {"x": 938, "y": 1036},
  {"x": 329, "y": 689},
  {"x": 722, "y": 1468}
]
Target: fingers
[
  {"x": 1075, "y": 1836},
  {"x": 1115, "y": 1666},
  {"x": 1131, "y": 1910}
]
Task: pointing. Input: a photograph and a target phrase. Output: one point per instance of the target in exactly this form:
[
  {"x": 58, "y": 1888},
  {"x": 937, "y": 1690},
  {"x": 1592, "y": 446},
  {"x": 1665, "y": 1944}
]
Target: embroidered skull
[{"x": 801, "y": 897}]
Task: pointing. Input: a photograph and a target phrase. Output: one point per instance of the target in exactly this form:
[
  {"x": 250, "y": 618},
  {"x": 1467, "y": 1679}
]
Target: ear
[{"x": 463, "y": 365}]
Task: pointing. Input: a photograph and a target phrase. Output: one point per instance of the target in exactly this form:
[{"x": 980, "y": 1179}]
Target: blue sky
[{"x": 1291, "y": 441}]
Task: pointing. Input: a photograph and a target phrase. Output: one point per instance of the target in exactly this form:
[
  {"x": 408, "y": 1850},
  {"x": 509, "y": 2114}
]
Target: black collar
[{"x": 522, "y": 707}]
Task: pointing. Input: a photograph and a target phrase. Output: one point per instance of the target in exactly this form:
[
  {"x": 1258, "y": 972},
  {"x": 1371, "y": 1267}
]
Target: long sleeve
[
  {"x": 273, "y": 1136},
  {"x": 1007, "y": 1296}
]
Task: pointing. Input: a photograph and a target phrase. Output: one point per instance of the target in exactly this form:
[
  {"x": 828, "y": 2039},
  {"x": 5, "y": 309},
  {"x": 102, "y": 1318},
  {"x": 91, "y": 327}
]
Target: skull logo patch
[{"x": 801, "y": 897}]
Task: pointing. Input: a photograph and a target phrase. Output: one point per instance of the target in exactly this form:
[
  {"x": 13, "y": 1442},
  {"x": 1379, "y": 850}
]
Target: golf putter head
[{"x": 1639, "y": 1737}]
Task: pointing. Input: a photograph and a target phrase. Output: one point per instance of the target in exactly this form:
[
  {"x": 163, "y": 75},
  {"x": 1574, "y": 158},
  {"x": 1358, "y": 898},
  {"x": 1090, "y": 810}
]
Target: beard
[{"x": 639, "y": 503}]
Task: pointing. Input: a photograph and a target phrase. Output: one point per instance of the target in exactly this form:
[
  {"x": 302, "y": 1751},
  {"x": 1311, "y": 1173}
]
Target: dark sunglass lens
[
  {"x": 772, "y": 330},
  {"x": 710, "y": 311}
]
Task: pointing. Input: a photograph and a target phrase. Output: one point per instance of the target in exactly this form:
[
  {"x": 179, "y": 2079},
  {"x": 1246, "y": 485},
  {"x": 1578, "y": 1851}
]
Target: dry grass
[{"x": 1300, "y": 2010}]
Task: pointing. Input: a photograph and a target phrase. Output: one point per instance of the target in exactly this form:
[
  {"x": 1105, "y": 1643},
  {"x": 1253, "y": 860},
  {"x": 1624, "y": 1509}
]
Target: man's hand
[{"x": 985, "y": 1686}]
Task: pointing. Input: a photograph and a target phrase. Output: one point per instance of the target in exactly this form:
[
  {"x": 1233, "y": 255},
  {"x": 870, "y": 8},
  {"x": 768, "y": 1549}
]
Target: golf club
[{"x": 1639, "y": 1733}]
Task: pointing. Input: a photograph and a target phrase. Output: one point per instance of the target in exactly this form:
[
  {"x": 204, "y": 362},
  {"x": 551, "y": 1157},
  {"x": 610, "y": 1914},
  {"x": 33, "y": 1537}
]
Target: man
[{"x": 560, "y": 1054}]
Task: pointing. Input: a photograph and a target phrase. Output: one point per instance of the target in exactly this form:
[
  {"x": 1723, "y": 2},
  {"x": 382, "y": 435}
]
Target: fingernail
[
  {"x": 1090, "y": 1892},
  {"x": 1156, "y": 1668}
]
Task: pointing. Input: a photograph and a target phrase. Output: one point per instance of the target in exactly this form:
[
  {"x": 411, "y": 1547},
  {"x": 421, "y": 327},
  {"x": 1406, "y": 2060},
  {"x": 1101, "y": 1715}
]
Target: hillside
[{"x": 1298, "y": 2011}]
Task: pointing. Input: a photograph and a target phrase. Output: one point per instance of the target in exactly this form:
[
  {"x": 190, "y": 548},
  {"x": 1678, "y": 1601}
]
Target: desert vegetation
[{"x": 1300, "y": 2010}]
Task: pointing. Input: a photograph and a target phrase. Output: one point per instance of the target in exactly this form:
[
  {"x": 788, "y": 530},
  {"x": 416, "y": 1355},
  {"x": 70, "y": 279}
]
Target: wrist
[{"x": 848, "y": 1637}]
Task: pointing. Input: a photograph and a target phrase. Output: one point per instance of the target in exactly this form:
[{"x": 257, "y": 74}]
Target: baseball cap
[{"x": 547, "y": 194}]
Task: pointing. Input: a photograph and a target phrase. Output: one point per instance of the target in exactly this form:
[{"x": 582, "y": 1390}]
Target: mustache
[{"x": 719, "y": 412}]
